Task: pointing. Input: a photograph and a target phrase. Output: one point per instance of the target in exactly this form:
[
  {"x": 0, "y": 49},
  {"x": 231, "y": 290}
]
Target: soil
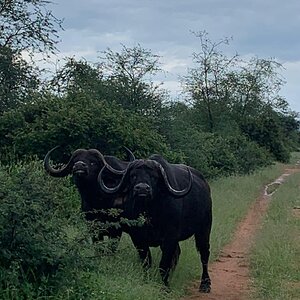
[{"x": 230, "y": 272}]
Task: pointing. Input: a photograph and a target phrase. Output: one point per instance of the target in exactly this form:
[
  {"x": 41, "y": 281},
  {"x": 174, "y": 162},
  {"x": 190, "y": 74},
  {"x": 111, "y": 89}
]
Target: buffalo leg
[
  {"x": 202, "y": 244},
  {"x": 144, "y": 253},
  {"x": 145, "y": 256},
  {"x": 169, "y": 259},
  {"x": 114, "y": 235},
  {"x": 175, "y": 258}
]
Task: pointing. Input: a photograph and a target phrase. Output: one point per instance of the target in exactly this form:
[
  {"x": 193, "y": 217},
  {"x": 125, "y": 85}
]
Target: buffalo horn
[
  {"x": 129, "y": 154},
  {"x": 177, "y": 193},
  {"x": 62, "y": 172},
  {"x": 106, "y": 165},
  {"x": 107, "y": 189}
]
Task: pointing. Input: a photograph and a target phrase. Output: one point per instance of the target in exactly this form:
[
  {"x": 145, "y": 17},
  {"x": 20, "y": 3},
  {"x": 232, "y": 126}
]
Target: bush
[
  {"x": 268, "y": 133},
  {"x": 76, "y": 122},
  {"x": 215, "y": 155},
  {"x": 40, "y": 230}
]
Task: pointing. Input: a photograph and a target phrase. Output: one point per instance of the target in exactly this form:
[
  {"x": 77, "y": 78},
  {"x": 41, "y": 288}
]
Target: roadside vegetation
[
  {"x": 275, "y": 257},
  {"x": 230, "y": 122}
]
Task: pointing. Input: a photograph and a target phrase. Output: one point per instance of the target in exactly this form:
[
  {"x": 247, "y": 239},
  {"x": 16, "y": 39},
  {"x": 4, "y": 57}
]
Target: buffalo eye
[{"x": 133, "y": 177}]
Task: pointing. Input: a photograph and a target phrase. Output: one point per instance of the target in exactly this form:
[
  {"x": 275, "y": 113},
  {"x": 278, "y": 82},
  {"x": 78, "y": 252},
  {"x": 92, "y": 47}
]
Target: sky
[{"x": 262, "y": 28}]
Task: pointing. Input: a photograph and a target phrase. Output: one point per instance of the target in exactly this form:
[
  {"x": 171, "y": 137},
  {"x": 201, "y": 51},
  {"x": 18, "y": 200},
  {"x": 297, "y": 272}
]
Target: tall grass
[{"x": 275, "y": 263}]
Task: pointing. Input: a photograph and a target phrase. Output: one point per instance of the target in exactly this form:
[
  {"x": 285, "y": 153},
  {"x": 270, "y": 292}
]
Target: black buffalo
[
  {"x": 176, "y": 203},
  {"x": 84, "y": 166}
]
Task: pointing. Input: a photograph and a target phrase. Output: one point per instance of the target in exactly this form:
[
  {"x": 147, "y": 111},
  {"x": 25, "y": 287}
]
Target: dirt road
[{"x": 230, "y": 272}]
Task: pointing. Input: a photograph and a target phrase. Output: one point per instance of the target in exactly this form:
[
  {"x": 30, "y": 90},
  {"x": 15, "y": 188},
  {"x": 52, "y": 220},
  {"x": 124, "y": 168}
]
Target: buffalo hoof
[
  {"x": 165, "y": 289},
  {"x": 205, "y": 286}
]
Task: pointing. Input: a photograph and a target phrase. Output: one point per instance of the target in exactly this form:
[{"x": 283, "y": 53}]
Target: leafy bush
[
  {"x": 75, "y": 122},
  {"x": 40, "y": 229},
  {"x": 268, "y": 133},
  {"x": 215, "y": 155}
]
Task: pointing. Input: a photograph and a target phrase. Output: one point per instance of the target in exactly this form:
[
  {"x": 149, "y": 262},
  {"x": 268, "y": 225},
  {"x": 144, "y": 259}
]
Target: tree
[
  {"x": 204, "y": 82},
  {"x": 129, "y": 74},
  {"x": 76, "y": 121},
  {"x": 28, "y": 25},
  {"x": 19, "y": 81},
  {"x": 254, "y": 88},
  {"x": 25, "y": 25},
  {"x": 258, "y": 109},
  {"x": 79, "y": 77}
]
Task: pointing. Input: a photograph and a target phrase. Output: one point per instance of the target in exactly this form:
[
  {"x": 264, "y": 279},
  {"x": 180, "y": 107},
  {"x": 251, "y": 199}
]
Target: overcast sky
[{"x": 263, "y": 28}]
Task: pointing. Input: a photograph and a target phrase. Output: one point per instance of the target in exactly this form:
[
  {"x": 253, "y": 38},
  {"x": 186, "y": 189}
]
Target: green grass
[{"x": 275, "y": 259}]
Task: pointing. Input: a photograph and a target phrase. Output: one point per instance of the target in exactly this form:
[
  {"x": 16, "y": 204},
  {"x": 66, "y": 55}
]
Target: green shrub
[
  {"x": 40, "y": 229},
  {"x": 215, "y": 155},
  {"x": 268, "y": 133},
  {"x": 76, "y": 121}
]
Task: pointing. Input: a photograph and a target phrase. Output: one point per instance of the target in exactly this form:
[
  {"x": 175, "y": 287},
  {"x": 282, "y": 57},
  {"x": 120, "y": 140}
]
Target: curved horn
[
  {"x": 107, "y": 189},
  {"x": 130, "y": 155},
  {"x": 62, "y": 172},
  {"x": 177, "y": 193},
  {"x": 106, "y": 165}
]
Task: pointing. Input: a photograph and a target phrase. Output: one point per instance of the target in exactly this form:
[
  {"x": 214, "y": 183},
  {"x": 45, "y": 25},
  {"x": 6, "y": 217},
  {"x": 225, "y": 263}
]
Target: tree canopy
[{"x": 28, "y": 25}]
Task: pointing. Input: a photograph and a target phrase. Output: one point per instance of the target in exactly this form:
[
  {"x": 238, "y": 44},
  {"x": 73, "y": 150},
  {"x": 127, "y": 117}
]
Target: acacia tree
[
  {"x": 255, "y": 87},
  {"x": 28, "y": 25},
  {"x": 18, "y": 80},
  {"x": 25, "y": 25},
  {"x": 204, "y": 82},
  {"x": 129, "y": 73}
]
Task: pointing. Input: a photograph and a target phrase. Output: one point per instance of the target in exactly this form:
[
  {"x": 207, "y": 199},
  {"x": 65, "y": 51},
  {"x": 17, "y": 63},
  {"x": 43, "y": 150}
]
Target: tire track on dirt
[{"x": 230, "y": 272}]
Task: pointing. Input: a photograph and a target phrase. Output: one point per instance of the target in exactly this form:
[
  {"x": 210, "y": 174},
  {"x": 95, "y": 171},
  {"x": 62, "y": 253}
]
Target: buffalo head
[
  {"x": 146, "y": 181},
  {"x": 83, "y": 164}
]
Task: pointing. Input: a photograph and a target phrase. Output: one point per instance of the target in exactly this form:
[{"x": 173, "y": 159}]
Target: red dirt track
[{"x": 230, "y": 272}]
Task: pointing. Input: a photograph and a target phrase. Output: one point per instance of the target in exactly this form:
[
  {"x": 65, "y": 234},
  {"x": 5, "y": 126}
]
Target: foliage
[
  {"x": 129, "y": 78},
  {"x": 79, "y": 77},
  {"x": 253, "y": 88},
  {"x": 76, "y": 121},
  {"x": 34, "y": 222},
  {"x": 222, "y": 153},
  {"x": 217, "y": 156},
  {"x": 231, "y": 96},
  {"x": 19, "y": 81},
  {"x": 28, "y": 25},
  {"x": 268, "y": 132},
  {"x": 45, "y": 250}
]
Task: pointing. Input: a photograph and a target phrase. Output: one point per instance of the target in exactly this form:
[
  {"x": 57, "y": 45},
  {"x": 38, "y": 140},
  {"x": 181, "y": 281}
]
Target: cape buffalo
[
  {"x": 176, "y": 203},
  {"x": 85, "y": 165}
]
